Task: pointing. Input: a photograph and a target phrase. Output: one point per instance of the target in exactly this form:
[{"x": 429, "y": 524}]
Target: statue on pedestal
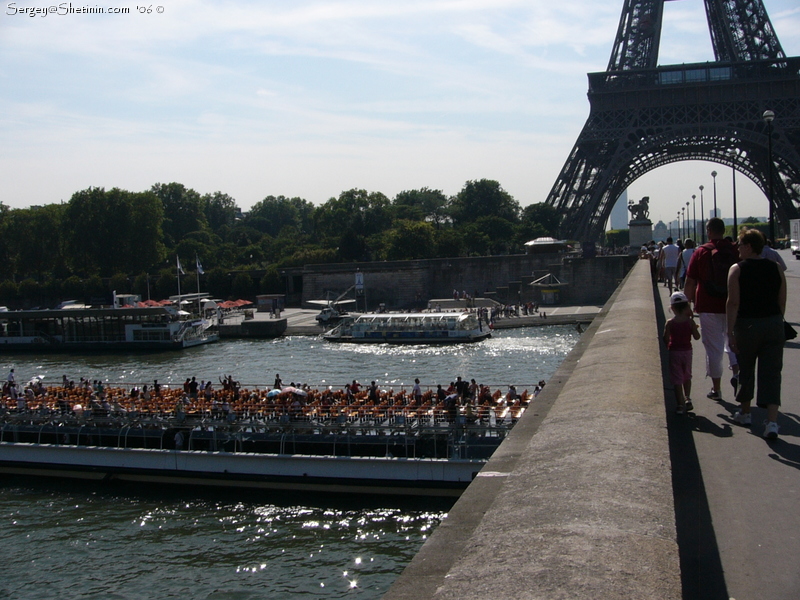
[{"x": 640, "y": 212}]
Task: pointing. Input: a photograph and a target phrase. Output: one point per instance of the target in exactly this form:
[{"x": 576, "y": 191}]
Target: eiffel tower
[{"x": 644, "y": 116}]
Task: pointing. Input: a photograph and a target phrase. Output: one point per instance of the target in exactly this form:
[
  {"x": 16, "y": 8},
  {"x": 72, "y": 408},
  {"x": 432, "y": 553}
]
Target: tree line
[{"x": 103, "y": 240}]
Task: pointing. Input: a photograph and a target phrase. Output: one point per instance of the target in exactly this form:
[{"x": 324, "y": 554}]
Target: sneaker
[
  {"x": 735, "y": 384},
  {"x": 771, "y": 432},
  {"x": 680, "y": 409},
  {"x": 714, "y": 395},
  {"x": 742, "y": 418},
  {"x": 689, "y": 405}
]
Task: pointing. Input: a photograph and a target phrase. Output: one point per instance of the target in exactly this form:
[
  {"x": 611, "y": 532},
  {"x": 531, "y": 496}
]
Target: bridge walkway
[{"x": 737, "y": 495}]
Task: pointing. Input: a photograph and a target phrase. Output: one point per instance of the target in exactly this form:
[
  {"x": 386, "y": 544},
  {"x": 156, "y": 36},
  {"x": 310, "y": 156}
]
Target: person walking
[
  {"x": 754, "y": 313},
  {"x": 669, "y": 255},
  {"x": 706, "y": 286},
  {"x": 678, "y": 334}
]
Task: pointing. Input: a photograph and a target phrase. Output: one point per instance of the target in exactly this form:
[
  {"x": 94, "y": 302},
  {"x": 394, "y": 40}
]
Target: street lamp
[
  {"x": 714, "y": 177},
  {"x": 768, "y": 117},
  {"x": 683, "y": 213},
  {"x": 694, "y": 212},
  {"x": 679, "y": 223},
  {"x": 702, "y": 217},
  {"x": 684, "y": 222},
  {"x": 733, "y": 156}
]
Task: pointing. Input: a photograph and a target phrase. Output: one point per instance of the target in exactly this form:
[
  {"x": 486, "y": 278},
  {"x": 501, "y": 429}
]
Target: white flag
[
  {"x": 180, "y": 268},
  {"x": 199, "y": 266}
]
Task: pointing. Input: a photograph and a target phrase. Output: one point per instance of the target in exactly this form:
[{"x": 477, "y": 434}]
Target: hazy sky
[{"x": 308, "y": 98}]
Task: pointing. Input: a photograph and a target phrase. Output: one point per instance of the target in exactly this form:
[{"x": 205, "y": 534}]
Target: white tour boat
[{"x": 411, "y": 328}]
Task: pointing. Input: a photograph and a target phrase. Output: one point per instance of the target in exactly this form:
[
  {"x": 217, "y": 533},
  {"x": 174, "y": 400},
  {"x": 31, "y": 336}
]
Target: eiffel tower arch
[{"x": 643, "y": 116}]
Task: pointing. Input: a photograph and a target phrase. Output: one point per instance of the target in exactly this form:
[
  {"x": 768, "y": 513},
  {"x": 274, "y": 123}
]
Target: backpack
[{"x": 723, "y": 256}]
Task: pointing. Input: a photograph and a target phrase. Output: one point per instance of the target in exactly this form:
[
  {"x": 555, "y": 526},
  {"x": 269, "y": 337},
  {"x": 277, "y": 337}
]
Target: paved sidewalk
[{"x": 738, "y": 495}]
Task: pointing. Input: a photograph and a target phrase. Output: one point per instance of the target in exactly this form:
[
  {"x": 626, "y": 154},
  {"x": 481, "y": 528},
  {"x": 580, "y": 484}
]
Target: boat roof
[
  {"x": 72, "y": 313},
  {"x": 427, "y": 315}
]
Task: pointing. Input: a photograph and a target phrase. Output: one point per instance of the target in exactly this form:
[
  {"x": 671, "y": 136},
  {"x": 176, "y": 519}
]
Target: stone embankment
[{"x": 578, "y": 501}]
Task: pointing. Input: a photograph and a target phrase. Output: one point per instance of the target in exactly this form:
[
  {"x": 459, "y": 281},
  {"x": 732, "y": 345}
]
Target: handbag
[{"x": 788, "y": 331}]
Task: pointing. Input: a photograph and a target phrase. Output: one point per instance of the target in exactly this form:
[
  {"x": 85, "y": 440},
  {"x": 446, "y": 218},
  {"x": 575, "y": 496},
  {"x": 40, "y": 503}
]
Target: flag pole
[{"x": 180, "y": 270}]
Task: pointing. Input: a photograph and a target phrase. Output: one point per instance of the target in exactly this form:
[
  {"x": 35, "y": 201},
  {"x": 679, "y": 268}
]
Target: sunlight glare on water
[{"x": 84, "y": 541}]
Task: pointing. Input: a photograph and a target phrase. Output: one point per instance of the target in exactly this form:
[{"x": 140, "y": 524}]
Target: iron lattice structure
[{"x": 643, "y": 116}]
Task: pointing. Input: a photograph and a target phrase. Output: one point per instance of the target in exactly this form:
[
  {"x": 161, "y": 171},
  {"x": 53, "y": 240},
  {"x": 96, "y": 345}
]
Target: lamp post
[
  {"x": 702, "y": 217},
  {"x": 733, "y": 180},
  {"x": 768, "y": 117},
  {"x": 679, "y": 223},
  {"x": 714, "y": 177},
  {"x": 694, "y": 211},
  {"x": 683, "y": 214},
  {"x": 686, "y": 233}
]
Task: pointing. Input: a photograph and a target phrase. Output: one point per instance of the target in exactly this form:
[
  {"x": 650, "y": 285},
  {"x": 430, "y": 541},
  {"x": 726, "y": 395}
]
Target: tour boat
[
  {"x": 107, "y": 328},
  {"x": 411, "y": 328}
]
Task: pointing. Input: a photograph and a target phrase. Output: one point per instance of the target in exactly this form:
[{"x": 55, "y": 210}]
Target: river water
[{"x": 85, "y": 541}]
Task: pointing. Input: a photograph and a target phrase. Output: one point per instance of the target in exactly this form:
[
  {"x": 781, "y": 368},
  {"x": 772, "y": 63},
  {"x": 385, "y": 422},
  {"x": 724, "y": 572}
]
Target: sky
[{"x": 310, "y": 98}]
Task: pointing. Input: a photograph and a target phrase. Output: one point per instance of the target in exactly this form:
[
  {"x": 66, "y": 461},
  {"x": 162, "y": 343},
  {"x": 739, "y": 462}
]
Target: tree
[
  {"x": 272, "y": 214},
  {"x": 113, "y": 231},
  {"x": 243, "y": 285},
  {"x": 33, "y": 234},
  {"x": 9, "y": 293},
  {"x": 411, "y": 240},
  {"x": 483, "y": 198},
  {"x": 220, "y": 211},
  {"x": 544, "y": 215},
  {"x": 423, "y": 204},
  {"x": 350, "y": 219},
  {"x": 183, "y": 211},
  {"x": 271, "y": 282}
]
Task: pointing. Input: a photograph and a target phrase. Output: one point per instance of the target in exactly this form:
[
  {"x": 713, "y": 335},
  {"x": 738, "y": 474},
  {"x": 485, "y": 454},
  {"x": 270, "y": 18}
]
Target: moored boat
[
  {"x": 411, "y": 328},
  {"x": 128, "y": 328}
]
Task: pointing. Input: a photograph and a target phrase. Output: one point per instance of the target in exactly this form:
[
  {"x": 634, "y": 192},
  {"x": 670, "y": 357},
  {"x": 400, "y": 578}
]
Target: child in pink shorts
[{"x": 678, "y": 335}]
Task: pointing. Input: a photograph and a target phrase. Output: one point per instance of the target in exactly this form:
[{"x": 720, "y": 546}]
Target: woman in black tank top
[{"x": 755, "y": 307}]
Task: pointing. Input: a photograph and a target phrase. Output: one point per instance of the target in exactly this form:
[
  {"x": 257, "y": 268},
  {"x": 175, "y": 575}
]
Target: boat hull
[
  {"x": 397, "y": 338},
  {"x": 394, "y": 476}
]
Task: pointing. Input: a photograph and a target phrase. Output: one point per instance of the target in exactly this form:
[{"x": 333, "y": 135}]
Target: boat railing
[{"x": 410, "y": 434}]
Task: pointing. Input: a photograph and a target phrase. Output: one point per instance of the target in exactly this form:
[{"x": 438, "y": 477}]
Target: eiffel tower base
[{"x": 640, "y": 233}]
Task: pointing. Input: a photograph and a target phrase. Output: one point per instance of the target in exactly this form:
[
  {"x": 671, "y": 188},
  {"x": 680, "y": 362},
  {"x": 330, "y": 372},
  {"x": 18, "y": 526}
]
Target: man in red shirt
[{"x": 709, "y": 300}]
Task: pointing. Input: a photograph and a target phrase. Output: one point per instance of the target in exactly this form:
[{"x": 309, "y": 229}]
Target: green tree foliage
[
  {"x": 544, "y": 215},
  {"x": 272, "y": 214},
  {"x": 9, "y": 293},
  {"x": 29, "y": 235},
  {"x": 220, "y": 211},
  {"x": 411, "y": 240},
  {"x": 422, "y": 205},
  {"x": 114, "y": 231},
  {"x": 347, "y": 221},
  {"x": 73, "y": 288},
  {"x": 243, "y": 286},
  {"x": 483, "y": 198},
  {"x": 120, "y": 283},
  {"x": 218, "y": 282},
  {"x": 31, "y": 291},
  {"x": 271, "y": 282},
  {"x": 7, "y": 257},
  {"x": 183, "y": 211}
]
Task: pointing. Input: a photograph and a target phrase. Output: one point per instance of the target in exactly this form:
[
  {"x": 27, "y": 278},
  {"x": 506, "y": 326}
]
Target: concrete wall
[
  {"x": 577, "y": 503},
  {"x": 402, "y": 284}
]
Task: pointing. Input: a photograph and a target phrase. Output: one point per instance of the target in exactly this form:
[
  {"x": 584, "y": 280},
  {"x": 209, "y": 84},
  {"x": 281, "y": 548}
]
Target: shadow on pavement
[{"x": 702, "y": 577}]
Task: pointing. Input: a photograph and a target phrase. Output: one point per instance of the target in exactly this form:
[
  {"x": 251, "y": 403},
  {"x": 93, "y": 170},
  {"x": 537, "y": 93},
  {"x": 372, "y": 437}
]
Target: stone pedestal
[{"x": 640, "y": 233}]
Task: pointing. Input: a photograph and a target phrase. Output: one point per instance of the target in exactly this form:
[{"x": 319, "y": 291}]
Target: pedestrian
[
  {"x": 755, "y": 307},
  {"x": 669, "y": 254},
  {"x": 678, "y": 334},
  {"x": 706, "y": 286}
]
